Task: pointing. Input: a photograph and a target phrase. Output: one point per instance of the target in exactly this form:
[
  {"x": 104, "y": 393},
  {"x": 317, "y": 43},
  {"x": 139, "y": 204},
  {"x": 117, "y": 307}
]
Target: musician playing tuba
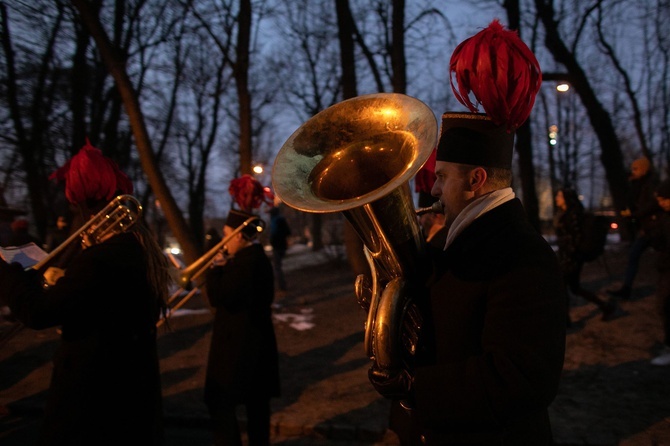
[
  {"x": 105, "y": 386},
  {"x": 497, "y": 305}
]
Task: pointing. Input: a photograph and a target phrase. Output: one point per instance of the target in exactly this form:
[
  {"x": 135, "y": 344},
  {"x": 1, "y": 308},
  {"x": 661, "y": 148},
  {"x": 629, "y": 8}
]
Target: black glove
[{"x": 391, "y": 384}]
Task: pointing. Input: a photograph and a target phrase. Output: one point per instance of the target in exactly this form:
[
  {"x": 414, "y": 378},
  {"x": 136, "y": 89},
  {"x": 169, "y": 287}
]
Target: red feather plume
[
  {"x": 501, "y": 72},
  {"x": 425, "y": 177},
  {"x": 89, "y": 175},
  {"x": 249, "y": 194}
]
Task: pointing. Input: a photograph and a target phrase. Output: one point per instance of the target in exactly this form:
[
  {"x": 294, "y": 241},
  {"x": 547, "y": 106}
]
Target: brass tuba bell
[{"x": 357, "y": 157}]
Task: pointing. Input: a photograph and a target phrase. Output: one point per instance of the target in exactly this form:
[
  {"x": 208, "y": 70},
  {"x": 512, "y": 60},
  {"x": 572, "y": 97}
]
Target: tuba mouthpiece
[{"x": 435, "y": 208}]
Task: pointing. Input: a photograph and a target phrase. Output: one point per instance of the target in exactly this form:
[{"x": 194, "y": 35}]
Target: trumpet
[{"x": 196, "y": 269}]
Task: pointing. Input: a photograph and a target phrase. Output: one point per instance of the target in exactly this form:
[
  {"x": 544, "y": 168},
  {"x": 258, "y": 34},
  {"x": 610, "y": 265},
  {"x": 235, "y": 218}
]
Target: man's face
[
  {"x": 452, "y": 188},
  {"x": 637, "y": 170},
  {"x": 560, "y": 199},
  {"x": 664, "y": 203},
  {"x": 235, "y": 243}
]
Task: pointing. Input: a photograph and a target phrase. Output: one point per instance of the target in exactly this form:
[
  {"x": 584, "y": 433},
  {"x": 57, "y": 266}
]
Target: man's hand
[
  {"x": 219, "y": 259},
  {"x": 52, "y": 274},
  {"x": 391, "y": 384}
]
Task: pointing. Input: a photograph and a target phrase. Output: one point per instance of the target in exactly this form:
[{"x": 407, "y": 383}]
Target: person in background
[
  {"x": 60, "y": 234},
  {"x": 568, "y": 223},
  {"x": 105, "y": 387},
  {"x": 21, "y": 234},
  {"x": 660, "y": 240},
  {"x": 243, "y": 362},
  {"x": 279, "y": 234},
  {"x": 643, "y": 211},
  {"x": 490, "y": 363}
]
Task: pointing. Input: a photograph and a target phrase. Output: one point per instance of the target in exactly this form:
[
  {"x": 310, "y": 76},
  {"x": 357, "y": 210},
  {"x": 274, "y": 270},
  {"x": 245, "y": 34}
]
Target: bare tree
[
  {"x": 219, "y": 22},
  {"x": 601, "y": 123},
  {"x": 29, "y": 119},
  {"x": 308, "y": 67},
  {"x": 150, "y": 166},
  {"x": 609, "y": 51}
]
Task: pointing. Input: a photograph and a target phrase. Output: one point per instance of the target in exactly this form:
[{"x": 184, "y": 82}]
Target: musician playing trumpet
[{"x": 105, "y": 387}]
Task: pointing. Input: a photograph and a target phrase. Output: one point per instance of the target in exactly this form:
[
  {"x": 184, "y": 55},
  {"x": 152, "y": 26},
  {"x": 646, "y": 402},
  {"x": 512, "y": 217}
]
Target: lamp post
[{"x": 562, "y": 125}]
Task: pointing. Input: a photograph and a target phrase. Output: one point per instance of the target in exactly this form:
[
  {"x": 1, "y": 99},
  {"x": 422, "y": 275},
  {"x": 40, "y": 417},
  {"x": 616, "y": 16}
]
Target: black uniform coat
[
  {"x": 498, "y": 310},
  {"x": 105, "y": 388},
  {"x": 243, "y": 358}
]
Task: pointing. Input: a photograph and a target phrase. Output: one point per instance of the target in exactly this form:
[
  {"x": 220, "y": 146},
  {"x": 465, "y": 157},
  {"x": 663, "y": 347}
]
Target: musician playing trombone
[
  {"x": 105, "y": 387},
  {"x": 243, "y": 363}
]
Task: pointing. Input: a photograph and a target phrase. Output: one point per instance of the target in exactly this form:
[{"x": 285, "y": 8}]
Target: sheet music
[{"x": 27, "y": 255}]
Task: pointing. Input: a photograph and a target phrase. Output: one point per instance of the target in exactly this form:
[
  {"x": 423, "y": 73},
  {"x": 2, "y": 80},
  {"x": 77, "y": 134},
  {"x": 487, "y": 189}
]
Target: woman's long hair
[{"x": 158, "y": 272}]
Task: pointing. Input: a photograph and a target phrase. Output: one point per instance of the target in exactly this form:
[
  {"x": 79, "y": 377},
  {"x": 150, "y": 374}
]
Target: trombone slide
[{"x": 196, "y": 269}]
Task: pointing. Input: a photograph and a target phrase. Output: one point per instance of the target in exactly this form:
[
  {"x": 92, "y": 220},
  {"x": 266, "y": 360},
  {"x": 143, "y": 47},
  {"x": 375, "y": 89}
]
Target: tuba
[{"x": 357, "y": 157}]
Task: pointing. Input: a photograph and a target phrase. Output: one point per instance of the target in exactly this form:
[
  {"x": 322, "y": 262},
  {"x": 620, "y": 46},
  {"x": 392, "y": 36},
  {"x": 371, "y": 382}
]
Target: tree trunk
[
  {"x": 352, "y": 243},
  {"x": 242, "y": 82},
  {"x": 524, "y": 146},
  {"x": 398, "y": 60}
]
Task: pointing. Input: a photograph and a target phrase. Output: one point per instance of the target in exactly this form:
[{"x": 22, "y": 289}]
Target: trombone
[
  {"x": 196, "y": 269},
  {"x": 118, "y": 216}
]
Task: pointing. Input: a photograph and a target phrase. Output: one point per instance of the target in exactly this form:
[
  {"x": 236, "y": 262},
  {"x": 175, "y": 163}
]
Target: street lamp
[
  {"x": 258, "y": 169},
  {"x": 562, "y": 88}
]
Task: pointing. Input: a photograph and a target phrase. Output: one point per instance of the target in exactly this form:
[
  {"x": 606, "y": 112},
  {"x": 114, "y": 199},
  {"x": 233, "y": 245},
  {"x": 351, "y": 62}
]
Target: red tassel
[
  {"x": 501, "y": 72},
  {"x": 249, "y": 194},
  {"x": 425, "y": 177},
  {"x": 91, "y": 175}
]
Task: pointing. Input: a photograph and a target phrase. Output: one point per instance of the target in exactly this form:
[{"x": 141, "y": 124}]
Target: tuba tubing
[
  {"x": 435, "y": 208},
  {"x": 357, "y": 157}
]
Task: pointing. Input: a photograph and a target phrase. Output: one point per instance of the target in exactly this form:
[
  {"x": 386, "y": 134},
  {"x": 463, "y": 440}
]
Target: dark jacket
[
  {"x": 660, "y": 241},
  {"x": 279, "y": 232},
  {"x": 642, "y": 202},
  {"x": 243, "y": 357},
  {"x": 498, "y": 310},
  {"x": 105, "y": 387}
]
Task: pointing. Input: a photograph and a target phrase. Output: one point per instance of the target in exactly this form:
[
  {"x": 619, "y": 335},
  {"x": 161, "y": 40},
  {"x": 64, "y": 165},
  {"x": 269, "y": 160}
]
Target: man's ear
[{"x": 478, "y": 178}]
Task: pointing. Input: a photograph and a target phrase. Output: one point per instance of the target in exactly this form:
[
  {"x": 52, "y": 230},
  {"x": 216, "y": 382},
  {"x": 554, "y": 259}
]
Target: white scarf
[{"x": 476, "y": 209}]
